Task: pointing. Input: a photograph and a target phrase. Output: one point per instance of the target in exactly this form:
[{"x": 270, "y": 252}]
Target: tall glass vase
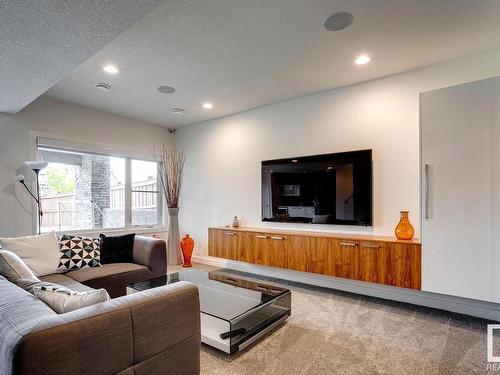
[{"x": 174, "y": 255}]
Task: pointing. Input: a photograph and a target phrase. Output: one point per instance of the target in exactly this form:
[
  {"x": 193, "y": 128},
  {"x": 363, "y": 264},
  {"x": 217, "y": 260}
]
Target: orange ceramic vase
[
  {"x": 187, "y": 246},
  {"x": 404, "y": 230}
]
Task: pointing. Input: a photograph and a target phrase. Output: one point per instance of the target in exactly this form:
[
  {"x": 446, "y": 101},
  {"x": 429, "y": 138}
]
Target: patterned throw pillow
[{"x": 78, "y": 252}]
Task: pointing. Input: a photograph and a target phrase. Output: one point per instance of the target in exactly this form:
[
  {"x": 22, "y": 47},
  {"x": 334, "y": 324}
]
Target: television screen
[{"x": 319, "y": 189}]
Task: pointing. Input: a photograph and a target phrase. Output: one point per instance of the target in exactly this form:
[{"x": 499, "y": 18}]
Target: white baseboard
[{"x": 481, "y": 309}]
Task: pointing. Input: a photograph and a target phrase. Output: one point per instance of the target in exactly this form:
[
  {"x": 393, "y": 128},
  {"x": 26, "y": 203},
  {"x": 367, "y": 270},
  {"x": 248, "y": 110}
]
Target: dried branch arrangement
[{"x": 170, "y": 165}]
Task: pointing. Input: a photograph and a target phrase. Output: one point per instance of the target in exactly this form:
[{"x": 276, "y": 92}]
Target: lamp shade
[{"x": 36, "y": 165}]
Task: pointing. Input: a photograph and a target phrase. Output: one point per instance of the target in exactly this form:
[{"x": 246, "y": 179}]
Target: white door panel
[{"x": 459, "y": 132}]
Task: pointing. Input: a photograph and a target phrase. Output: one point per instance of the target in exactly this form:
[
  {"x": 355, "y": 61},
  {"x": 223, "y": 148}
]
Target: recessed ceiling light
[
  {"x": 295, "y": 161},
  {"x": 362, "y": 60},
  {"x": 338, "y": 21},
  {"x": 111, "y": 69},
  {"x": 104, "y": 87},
  {"x": 166, "y": 89},
  {"x": 208, "y": 105},
  {"x": 178, "y": 111}
]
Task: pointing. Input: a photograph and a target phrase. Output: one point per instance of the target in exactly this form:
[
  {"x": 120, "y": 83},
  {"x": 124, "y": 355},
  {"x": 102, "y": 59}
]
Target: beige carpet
[{"x": 342, "y": 333}]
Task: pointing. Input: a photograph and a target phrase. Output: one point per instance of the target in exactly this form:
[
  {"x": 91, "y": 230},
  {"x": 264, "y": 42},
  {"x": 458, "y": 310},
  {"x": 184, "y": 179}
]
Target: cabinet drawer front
[
  {"x": 278, "y": 248},
  {"x": 246, "y": 247},
  {"x": 321, "y": 256},
  {"x": 403, "y": 265},
  {"x": 262, "y": 248},
  {"x": 346, "y": 259},
  {"x": 223, "y": 243},
  {"x": 372, "y": 262},
  {"x": 297, "y": 250}
]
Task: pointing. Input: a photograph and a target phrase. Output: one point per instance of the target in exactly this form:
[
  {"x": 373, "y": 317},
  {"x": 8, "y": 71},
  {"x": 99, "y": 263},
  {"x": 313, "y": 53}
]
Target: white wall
[
  {"x": 222, "y": 174},
  {"x": 61, "y": 120}
]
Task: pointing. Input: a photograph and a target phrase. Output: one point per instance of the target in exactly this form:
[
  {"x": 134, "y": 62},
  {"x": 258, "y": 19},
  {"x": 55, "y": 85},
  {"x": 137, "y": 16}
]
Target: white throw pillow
[
  {"x": 62, "y": 300},
  {"x": 14, "y": 269},
  {"x": 40, "y": 253}
]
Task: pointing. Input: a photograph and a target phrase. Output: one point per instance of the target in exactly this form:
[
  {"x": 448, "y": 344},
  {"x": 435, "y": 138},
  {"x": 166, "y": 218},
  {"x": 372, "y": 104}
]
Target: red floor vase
[{"x": 187, "y": 246}]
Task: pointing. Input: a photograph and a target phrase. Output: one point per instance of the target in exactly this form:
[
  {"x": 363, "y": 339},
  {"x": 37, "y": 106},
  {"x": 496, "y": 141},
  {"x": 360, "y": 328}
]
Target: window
[
  {"x": 144, "y": 192},
  {"x": 85, "y": 191}
]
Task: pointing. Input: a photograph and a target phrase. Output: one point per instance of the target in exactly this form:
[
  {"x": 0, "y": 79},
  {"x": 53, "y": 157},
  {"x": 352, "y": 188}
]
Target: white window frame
[
  {"x": 56, "y": 144},
  {"x": 129, "y": 191}
]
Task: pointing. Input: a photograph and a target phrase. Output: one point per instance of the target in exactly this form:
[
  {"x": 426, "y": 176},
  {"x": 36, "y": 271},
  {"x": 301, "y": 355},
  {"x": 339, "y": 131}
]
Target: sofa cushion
[
  {"x": 107, "y": 270},
  {"x": 40, "y": 253},
  {"x": 66, "y": 281},
  {"x": 112, "y": 277}
]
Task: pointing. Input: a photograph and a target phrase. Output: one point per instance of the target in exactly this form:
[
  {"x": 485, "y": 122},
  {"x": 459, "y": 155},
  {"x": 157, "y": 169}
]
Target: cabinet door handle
[
  {"x": 229, "y": 233},
  {"x": 279, "y": 238},
  {"x": 349, "y": 244},
  {"x": 427, "y": 188},
  {"x": 261, "y": 236},
  {"x": 371, "y": 245}
]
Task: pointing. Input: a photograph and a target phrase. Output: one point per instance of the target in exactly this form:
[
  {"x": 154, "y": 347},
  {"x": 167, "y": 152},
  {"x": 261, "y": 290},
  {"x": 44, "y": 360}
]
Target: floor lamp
[{"x": 35, "y": 166}]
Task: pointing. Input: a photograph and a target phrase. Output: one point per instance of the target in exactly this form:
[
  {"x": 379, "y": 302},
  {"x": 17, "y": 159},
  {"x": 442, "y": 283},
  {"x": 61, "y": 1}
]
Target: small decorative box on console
[{"x": 376, "y": 259}]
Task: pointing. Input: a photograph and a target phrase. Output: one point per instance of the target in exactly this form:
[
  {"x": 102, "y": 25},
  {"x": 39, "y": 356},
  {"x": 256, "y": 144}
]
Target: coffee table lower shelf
[{"x": 214, "y": 330}]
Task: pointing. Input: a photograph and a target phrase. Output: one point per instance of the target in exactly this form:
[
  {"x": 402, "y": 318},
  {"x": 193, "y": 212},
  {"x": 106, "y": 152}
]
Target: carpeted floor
[{"x": 341, "y": 333}]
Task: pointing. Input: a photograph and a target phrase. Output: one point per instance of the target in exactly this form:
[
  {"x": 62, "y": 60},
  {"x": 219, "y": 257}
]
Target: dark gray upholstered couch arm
[
  {"x": 152, "y": 253},
  {"x": 153, "y": 332}
]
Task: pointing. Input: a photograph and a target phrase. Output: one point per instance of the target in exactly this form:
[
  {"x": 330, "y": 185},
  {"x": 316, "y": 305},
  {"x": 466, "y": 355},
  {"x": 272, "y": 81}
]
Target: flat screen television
[{"x": 320, "y": 189}]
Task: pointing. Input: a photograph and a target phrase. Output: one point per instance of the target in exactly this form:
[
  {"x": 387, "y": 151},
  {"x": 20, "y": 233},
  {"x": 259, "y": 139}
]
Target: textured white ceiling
[
  {"x": 42, "y": 41},
  {"x": 242, "y": 54}
]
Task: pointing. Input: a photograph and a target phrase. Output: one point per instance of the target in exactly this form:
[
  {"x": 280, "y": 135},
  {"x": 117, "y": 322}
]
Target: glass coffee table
[{"x": 235, "y": 310}]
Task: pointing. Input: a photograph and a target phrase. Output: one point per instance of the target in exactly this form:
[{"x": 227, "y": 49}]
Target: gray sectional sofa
[{"x": 151, "y": 332}]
